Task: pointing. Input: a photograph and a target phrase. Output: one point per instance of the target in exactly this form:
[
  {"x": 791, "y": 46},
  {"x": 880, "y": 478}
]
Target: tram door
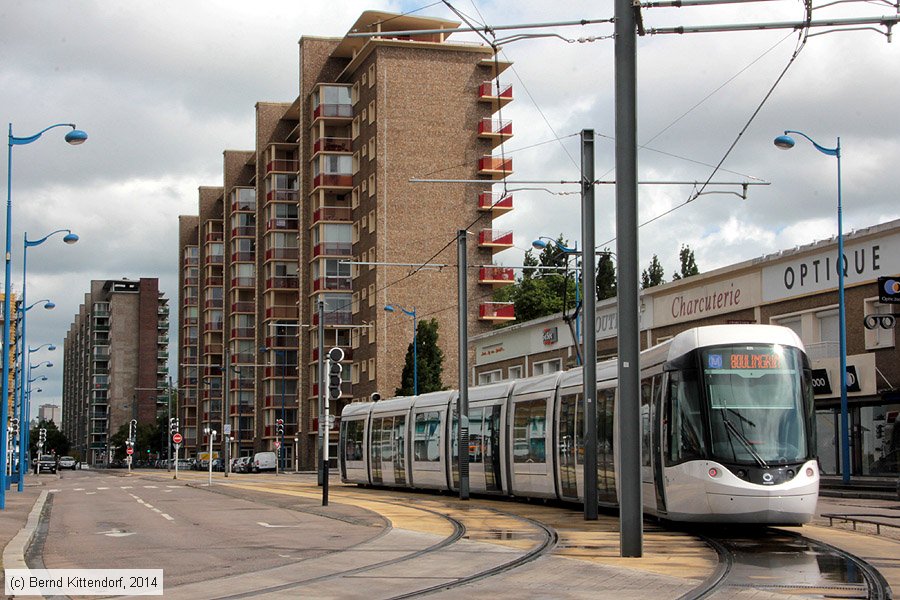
[
  {"x": 657, "y": 441},
  {"x": 398, "y": 442},
  {"x": 570, "y": 446},
  {"x": 648, "y": 492},
  {"x": 375, "y": 450}
]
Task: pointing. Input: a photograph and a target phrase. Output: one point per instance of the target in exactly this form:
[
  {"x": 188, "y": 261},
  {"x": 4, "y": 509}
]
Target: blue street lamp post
[
  {"x": 73, "y": 137},
  {"x": 24, "y": 407},
  {"x": 544, "y": 242},
  {"x": 785, "y": 142},
  {"x": 410, "y": 313}
]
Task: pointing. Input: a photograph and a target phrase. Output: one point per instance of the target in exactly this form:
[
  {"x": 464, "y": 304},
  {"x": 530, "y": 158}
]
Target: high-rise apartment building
[
  {"x": 323, "y": 210},
  {"x": 114, "y": 363}
]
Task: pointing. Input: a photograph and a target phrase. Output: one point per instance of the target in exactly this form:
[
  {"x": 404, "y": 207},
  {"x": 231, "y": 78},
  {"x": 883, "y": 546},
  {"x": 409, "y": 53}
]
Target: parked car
[
  {"x": 264, "y": 461},
  {"x": 218, "y": 464},
  {"x": 47, "y": 464},
  {"x": 67, "y": 462},
  {"x": 244, "y": 464},
  {"x": 185, "y": 464}
]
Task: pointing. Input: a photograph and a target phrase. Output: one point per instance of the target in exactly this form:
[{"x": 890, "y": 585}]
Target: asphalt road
[{"x": 99, "y": 520}]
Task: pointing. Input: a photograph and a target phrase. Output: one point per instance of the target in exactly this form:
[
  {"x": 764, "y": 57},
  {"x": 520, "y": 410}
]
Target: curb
[{"x": 14, "y": 553}]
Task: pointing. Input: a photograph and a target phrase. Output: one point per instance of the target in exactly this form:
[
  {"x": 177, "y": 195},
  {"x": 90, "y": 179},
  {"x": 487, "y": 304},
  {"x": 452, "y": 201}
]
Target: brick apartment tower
[
  {"x": 323, "y": 210},
  {"x": 114, "y": 363}
]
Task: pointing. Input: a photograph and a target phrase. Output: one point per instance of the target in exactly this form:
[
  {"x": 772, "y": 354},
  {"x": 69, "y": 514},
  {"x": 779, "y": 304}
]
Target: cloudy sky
[{"x": 164, "y": 86}]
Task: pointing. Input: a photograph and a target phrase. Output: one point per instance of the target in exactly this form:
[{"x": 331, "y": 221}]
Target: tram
[{"x": 727, "y": 432}]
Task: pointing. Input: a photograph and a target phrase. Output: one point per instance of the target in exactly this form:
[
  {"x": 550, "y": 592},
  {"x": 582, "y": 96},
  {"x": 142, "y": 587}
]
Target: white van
[{"x": 264, "y": 461}]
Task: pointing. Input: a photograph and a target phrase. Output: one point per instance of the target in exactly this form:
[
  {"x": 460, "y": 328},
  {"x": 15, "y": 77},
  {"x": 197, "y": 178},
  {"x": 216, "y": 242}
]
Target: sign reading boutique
[{"x": 818, "y": 272}]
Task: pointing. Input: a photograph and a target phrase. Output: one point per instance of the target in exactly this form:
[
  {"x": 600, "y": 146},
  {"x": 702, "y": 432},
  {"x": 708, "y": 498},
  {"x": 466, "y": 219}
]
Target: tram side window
[
  {"x": 353, "y": 436},
  {"x": 530, "y": 432},
  {"x": 646, "y": 389},
  {"x": 427, "y": 439},
  {"x": 477, "y": 439},
  {"x": 683, "y": 415}
]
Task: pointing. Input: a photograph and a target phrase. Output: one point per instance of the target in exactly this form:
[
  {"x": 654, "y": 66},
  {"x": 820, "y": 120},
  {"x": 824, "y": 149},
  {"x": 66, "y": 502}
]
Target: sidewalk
[{"x": 18, "y": 507}]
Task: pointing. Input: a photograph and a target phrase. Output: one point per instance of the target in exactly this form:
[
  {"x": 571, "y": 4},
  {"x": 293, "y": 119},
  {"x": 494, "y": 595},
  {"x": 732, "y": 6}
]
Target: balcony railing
[
  {"x": 281, "y": 224},
  {"x": 496, "y": 203},
  {"x": 344, "y": 180},
  {"x": 247, "y": 282},
  {"x": 191, "y": 261},
  {"x": 282, "y": 253},
  {"x": 243, "y": 256},
  {"x": 214, "y": 236},
  {"x": 213, "y": 326},
  {"x": 242, "y": 332},
  {"x": 495, "y": 127},
  {"x": 189, "y": 281},
  {"x": 282, "y": 196},
  {"x": 280, "y": 371},
  {"x": 331, "y": 283},
  {"x": 496, "y": 275},
  {"x": 243, "y": 206},
  {"x": 495, "y": 166},
  {"x": 333, "y": 111},
  {"x": 188, "y": 301},
  {"x": 497, "y": 311},
  {"x": 215, "y": 281},
  {"x": 243, "y": 231},
  {"x": 494, "y": 238},
  {"x": 283, "y": 164},
  {"x": 333, "y": 249},
  {"x": 213, "y": 303},
  {"x": 333, "y": 213},
  {"x": 331, "y": 144},
  {"x": 490, "y": 91},
  {"x": 282, "y": 283},
  {"x": 281, "y": 341},
  {"x": 281, "y": 312},
  {"x": 215, "y": 259},
  {"x": 243, "y": 307},
  {"x": 335, "y": 318}
]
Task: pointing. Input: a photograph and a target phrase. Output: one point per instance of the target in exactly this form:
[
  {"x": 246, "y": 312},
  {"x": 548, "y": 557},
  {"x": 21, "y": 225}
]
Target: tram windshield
[{"x": 756, "y": 405}]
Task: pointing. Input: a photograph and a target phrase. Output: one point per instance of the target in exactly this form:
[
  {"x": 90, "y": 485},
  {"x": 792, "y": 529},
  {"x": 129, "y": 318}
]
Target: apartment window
[
  {"x": 879, "y": 336},
  {"x": 356, "y": 162},
  {"x": 354, "y": 198},
  {"x": 363, "y": 186},
  {"x": 371, "y": 185},
  {"x": 355, "y": 305},
  {"x": 365, "y": 294},
  {"x": 354, "y": 377},
  {"x": 515, "y": 372},
  {"x": 371, "y": 294},
  {"x": 355, "y": 232},
  {"x": 363, "y": 115},
  {"x": 489, "y": 377},
  {"x": 355, "y": 128},
  {"x": 829, "y": 326},
  {"x": 548, "y": 366},
  {"x": 354, "y": 93},
  {"x": 362, "y": 367},
  {"x": 364, "y": 150},
  {"x": 371, "y": 145},
  {"x": 793, "y": 323},
  {"x": 371, "y": 74},
  {"x": 372, "y": 220},
  {"x": 371, "y": 369},
  {"x": 364, "y": 222},
  {"x": 371, "y": 112},
  {"x": 372, "y": 257},
  {"x": 364, "y": 79},
  {"x": 354, "y": 335}
]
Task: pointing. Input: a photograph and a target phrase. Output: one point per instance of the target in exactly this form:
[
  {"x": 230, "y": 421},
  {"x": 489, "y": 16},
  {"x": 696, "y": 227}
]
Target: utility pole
[
  {"x": 589, "y": 273},
  {"x": 463, "y": 405},
  {"x": 320, "y": 308},
  {"x": 629, "y": 479}
]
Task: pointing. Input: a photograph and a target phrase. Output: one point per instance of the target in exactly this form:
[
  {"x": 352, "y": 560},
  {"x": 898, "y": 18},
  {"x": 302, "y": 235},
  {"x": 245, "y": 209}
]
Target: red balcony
[
  {"x": 340, "y": 180},
  {"x": 213, "y": 303},
  {"x": 215, "y": 236},
  {"x": 282, "y": 253},
  {"x": 496, "y": 276},
  {"x": 333, "y": 111},
  {"x": 333, "y": 249},
  {"x": 497, "y": 311},
  {"x": 187, "y": 321},
  {"x": 243, "y": 307},
  {"x": 282, "y": 283},
  {"x": 281, "y": 341},
  {"x": 212, "y": 349},
  {"x": 191, "y": 281},
  {"x": 243, "y": 206},
  {"x": 494, "y": 239},
  {"x": 243, "y": 257},
  {"x": 283, "y": 164},
  {"x": 212, "y": 327},
  {"x": 496, "y": 203},
  {"x": 497, "y": 95},
  {"x": 190, "y": 301},
  {"x": 243, "y": 231},
  {"x": 496, "y": 130},
  {"x": 333, "y": 213},
  {"x": 243, "y": 282},
  {"x": 340, "y": 284},
  {"x": 282, "y": 196},
  {"x": 215, "y": 281},
  {"x": 495, "y": 166},
  {"x": 244, "y": 332},
  {"x": 335, "y": 318},
  {"x": 281, "y": 312},
  {"x": 191, "y": 261},
  {"x": 279, "y": 371},
  {"x": 333, "y": 145},
  {"x": 282, "y": 224}
]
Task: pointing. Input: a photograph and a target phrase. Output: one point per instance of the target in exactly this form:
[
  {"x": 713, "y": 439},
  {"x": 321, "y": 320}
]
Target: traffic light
[
  {"x": 42, "y": 436},
  {"x": 173, "y": 426},
  {"x": 132, "y": 429},
  {"x": 335, "y": 356},
  {"x": 14, "y": 426},
  {"x": 279, "y": 427}
]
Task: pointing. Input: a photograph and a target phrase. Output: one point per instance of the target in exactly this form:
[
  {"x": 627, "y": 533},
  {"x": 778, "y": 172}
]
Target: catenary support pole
[
  {"x": 628, "y": 413},
  {"x": 320, "y": 308},
  {"x": 463, "y": 405},
  {"x": 589, "y": 273}
]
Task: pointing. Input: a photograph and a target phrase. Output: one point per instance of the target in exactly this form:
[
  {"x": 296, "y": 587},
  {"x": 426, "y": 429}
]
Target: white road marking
[
  {"x": 151, "y": 487},
  {"x": 102, "y": 488},
  {"x": 89, "y": 493},
  {"x": 52, "y": 491},
  {"x": 116, "y": 533},
  {"x": 167, "y": 517},
  {"x": 264, "y": 524},
  {"x": 78, "y": 490},
  {"x": 127, "y": 487}
]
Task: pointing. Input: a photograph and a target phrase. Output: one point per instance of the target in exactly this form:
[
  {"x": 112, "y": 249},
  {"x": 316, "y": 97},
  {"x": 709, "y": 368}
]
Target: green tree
[
  {"x": 56, "y": 442},
  {"x": 606, "y": 276},
  {"x": 688, "y": 264},
  {"x": 430, "y": 361},
  {"x": 653, "y": 275}
]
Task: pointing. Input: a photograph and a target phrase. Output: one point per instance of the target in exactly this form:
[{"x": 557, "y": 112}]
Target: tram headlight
[
  {"x": 713, "y": 472},
  {"x": 742, "y": 474},
  {"x": 810, "y": 472}
]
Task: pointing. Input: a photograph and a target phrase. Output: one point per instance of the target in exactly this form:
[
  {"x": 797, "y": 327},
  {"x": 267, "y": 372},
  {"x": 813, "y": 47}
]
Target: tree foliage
[
  {"x": 653, "y": 275},
  {"x": 542, "y": 292},
  {"x": 606, "y": 276},
  {"x": 430, "y": 359},
  {"x": 56, "y": 442},
  {"x": 688, "y": 264}
]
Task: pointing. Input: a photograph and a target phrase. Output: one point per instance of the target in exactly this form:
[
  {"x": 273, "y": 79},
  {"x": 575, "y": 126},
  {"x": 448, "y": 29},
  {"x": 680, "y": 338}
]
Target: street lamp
[
  {"x": 544, "y": 242},
  {"x": 74, "y": 137},
  {"x": 21, "y": 375},
  {"x": 410, "y": 313},
  {"x": 785, "y": 142},
  {"x": 211, "y": 433}
]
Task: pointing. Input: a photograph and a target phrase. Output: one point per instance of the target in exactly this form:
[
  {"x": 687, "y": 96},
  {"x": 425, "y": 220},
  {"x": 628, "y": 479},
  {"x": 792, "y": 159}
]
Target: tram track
[{"x": 808, "y": 567}]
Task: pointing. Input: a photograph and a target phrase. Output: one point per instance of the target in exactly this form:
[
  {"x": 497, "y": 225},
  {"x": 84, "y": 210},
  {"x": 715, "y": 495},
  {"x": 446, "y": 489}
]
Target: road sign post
[{"x": 177, "y": 448}]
